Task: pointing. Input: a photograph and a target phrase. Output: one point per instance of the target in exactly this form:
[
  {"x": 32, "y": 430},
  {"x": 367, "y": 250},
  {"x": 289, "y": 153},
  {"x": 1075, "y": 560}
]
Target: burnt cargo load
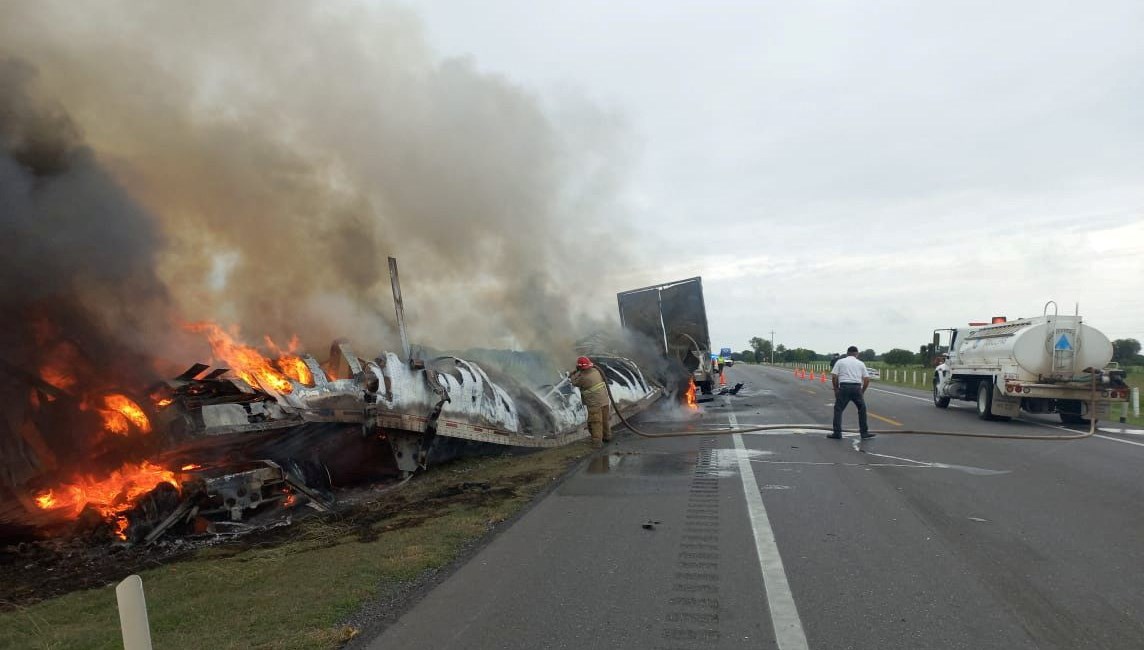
[
  {"x": 415, "y": 406},
  {"x": 673, "y": 317},
  {"x": 225, "y": 450}
]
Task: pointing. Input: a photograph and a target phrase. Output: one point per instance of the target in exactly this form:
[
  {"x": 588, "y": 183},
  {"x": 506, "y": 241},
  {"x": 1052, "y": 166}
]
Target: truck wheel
[
  {"x": 1070, "y": 412},
  {"x": 940, "y": 402},
  {"x": 985, "y": 399},
  {"x": 705, "y": 387}
]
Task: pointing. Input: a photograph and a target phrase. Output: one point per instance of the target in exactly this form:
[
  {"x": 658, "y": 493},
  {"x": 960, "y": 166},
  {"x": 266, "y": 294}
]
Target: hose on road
[{"x": 826, "y": 427}]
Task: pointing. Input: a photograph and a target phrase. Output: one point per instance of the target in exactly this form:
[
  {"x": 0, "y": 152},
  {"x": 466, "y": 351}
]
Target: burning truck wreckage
[{"x": 220, "y": 450}]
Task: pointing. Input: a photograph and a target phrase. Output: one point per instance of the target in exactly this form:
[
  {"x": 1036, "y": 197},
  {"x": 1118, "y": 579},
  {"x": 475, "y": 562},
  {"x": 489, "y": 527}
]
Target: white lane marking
[
  {"x": 1097, "y": 435},
  {"x": 1123, "y": 432},
  {"x": 1127, "y": 442},
  {"x": 890, "y": 392},
  {"x": 789, "y": 634}
]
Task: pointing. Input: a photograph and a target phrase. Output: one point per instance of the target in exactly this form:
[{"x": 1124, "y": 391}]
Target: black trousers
[{"x": 850, "y": 393}]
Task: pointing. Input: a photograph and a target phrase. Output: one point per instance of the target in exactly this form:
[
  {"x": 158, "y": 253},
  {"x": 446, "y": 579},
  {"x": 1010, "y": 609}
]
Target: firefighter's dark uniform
[{"x": 594, "y": 394}]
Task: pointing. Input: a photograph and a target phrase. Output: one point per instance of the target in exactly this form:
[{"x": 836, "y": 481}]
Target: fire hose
[{"x": 822, "y": 427}]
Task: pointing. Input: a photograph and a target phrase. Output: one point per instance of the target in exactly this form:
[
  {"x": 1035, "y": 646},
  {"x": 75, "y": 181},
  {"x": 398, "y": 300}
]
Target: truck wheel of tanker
[
  {"x": 705, "y": 387},
  {"x": 985, "y": 399},
  {"x": 1070, "y": 412},
  {"x": 940, "y": 402}
]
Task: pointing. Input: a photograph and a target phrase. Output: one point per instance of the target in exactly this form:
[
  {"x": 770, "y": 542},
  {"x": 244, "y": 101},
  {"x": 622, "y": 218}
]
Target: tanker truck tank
[
  {"x": 1046, "y": 364},
  {"x": 1045, "y": 348}
]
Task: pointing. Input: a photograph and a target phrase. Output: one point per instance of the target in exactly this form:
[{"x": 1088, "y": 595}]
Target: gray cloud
[{"x": 898, "y": 166}]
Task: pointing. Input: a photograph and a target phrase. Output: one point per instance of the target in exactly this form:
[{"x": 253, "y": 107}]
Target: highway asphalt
[{"x": 791, "y": 540}]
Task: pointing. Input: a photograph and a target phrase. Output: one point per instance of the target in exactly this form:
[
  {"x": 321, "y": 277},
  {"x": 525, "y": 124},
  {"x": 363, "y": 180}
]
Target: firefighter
[{"x": 594, "y": 393}]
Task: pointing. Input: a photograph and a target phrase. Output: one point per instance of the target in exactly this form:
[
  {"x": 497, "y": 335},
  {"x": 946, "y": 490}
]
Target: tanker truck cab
[{"x": 1046, "y": 364}]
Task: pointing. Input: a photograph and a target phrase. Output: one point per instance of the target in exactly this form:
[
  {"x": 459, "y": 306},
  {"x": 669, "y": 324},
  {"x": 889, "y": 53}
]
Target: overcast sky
[{"x": 855, "y": 172}]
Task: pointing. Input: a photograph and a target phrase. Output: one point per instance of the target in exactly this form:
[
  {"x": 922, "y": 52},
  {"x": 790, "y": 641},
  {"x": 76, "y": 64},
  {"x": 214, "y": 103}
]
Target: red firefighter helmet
[{"x": 583, "y": 362}]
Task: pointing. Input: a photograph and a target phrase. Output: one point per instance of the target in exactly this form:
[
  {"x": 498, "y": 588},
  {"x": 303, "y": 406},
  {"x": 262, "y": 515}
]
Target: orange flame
[
  {"x": 163, "y": 402},
  {"x": 692, "y": 403},
  {"x": 289, "y": 363},
  {"x": 57, "y": 377},
  {"x": 60, "y": 357},
  {"x": 187, "y": 468},
  {"x": 295, "y": 368},
  {"x": 244, "y": 360},
  {"x": 110, "y": 496},
  {"x": 122, "y": 411}
]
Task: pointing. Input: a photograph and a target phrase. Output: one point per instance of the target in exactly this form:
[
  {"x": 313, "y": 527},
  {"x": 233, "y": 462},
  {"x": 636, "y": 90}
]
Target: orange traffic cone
[
  {"x": 722, "y": 380},
  {"x": 812, "y": 377},
  {"x": 823, "y": 377}
]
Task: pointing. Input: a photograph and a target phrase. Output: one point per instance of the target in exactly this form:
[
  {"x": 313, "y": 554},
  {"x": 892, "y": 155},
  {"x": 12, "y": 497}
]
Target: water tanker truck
[{"x": 1046, "y": 364}]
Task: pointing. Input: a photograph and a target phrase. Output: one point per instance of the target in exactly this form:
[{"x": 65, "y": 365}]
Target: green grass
[{"x": 297, "y": 592}]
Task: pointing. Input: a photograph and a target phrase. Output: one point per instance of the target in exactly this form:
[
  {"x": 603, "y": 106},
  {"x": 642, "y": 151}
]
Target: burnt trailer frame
[{"x": 674, "y": 316}]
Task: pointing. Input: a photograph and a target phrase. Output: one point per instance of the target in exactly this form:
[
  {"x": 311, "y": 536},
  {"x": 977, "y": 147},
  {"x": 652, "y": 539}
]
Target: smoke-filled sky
[
  {"x": 857, "y": 172},
  {"x": 280, "y": 151},
  {"x": 837, "y": 172}
]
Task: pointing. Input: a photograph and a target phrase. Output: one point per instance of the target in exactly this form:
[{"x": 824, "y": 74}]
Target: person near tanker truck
[
  {"x": 850, "y": 379},
  {"x": 594, "y": 393}
]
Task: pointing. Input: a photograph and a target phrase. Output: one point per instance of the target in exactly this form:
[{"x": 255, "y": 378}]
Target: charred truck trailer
[
  {"x": 1046, "y": 364},
  {"x": 674, "y": 318}
]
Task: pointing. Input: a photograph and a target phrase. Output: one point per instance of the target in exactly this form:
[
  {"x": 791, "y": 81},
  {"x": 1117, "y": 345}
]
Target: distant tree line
[
  {"x": 761, "y": 350},
  {"x": 1126, "y": 352}
]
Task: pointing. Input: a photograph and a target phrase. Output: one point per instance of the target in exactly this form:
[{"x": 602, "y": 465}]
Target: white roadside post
[
  {"x": 133, "y": 614},
  {"x": 1136, "y": 402}
]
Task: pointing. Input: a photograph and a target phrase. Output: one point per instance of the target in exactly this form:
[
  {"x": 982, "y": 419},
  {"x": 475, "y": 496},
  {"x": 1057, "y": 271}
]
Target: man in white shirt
[{"x": 850, "y": 379}]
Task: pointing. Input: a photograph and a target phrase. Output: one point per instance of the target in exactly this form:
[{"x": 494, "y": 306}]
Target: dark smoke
[
  {"x": 78, "y": 285},
  {"x": 254, "y": 163},
  {"x": 286, "y": 148},
  {"x": 75, "y": 240}
]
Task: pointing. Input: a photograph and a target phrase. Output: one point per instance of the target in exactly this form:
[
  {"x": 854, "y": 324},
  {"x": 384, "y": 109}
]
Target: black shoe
[
  {"x": 869, "y": 435},
  {"x": 835, "y": 437}
]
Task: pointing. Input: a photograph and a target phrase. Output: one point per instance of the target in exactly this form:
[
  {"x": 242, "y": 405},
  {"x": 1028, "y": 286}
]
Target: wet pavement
[{"x": 901, "y": 541}]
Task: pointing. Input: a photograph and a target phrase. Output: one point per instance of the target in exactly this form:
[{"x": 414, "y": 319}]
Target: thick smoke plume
[
  {"x": 81, "y": 299},
  {"x": 272, "y": 154},
  {"x": 80, "y": 253}
]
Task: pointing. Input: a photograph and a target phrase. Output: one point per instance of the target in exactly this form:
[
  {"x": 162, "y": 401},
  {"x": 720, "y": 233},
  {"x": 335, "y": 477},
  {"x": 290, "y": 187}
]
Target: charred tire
[
  {"x": 940, "y": 402},
  {"x": 985, "y": 399}
]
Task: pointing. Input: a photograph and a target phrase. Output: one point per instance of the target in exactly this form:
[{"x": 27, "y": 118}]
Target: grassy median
[{"x": 296, "y": 587}]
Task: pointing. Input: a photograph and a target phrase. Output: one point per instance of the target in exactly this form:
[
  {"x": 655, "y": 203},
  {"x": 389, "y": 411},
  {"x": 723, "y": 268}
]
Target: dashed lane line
[{"x": 789, "y": 634}]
